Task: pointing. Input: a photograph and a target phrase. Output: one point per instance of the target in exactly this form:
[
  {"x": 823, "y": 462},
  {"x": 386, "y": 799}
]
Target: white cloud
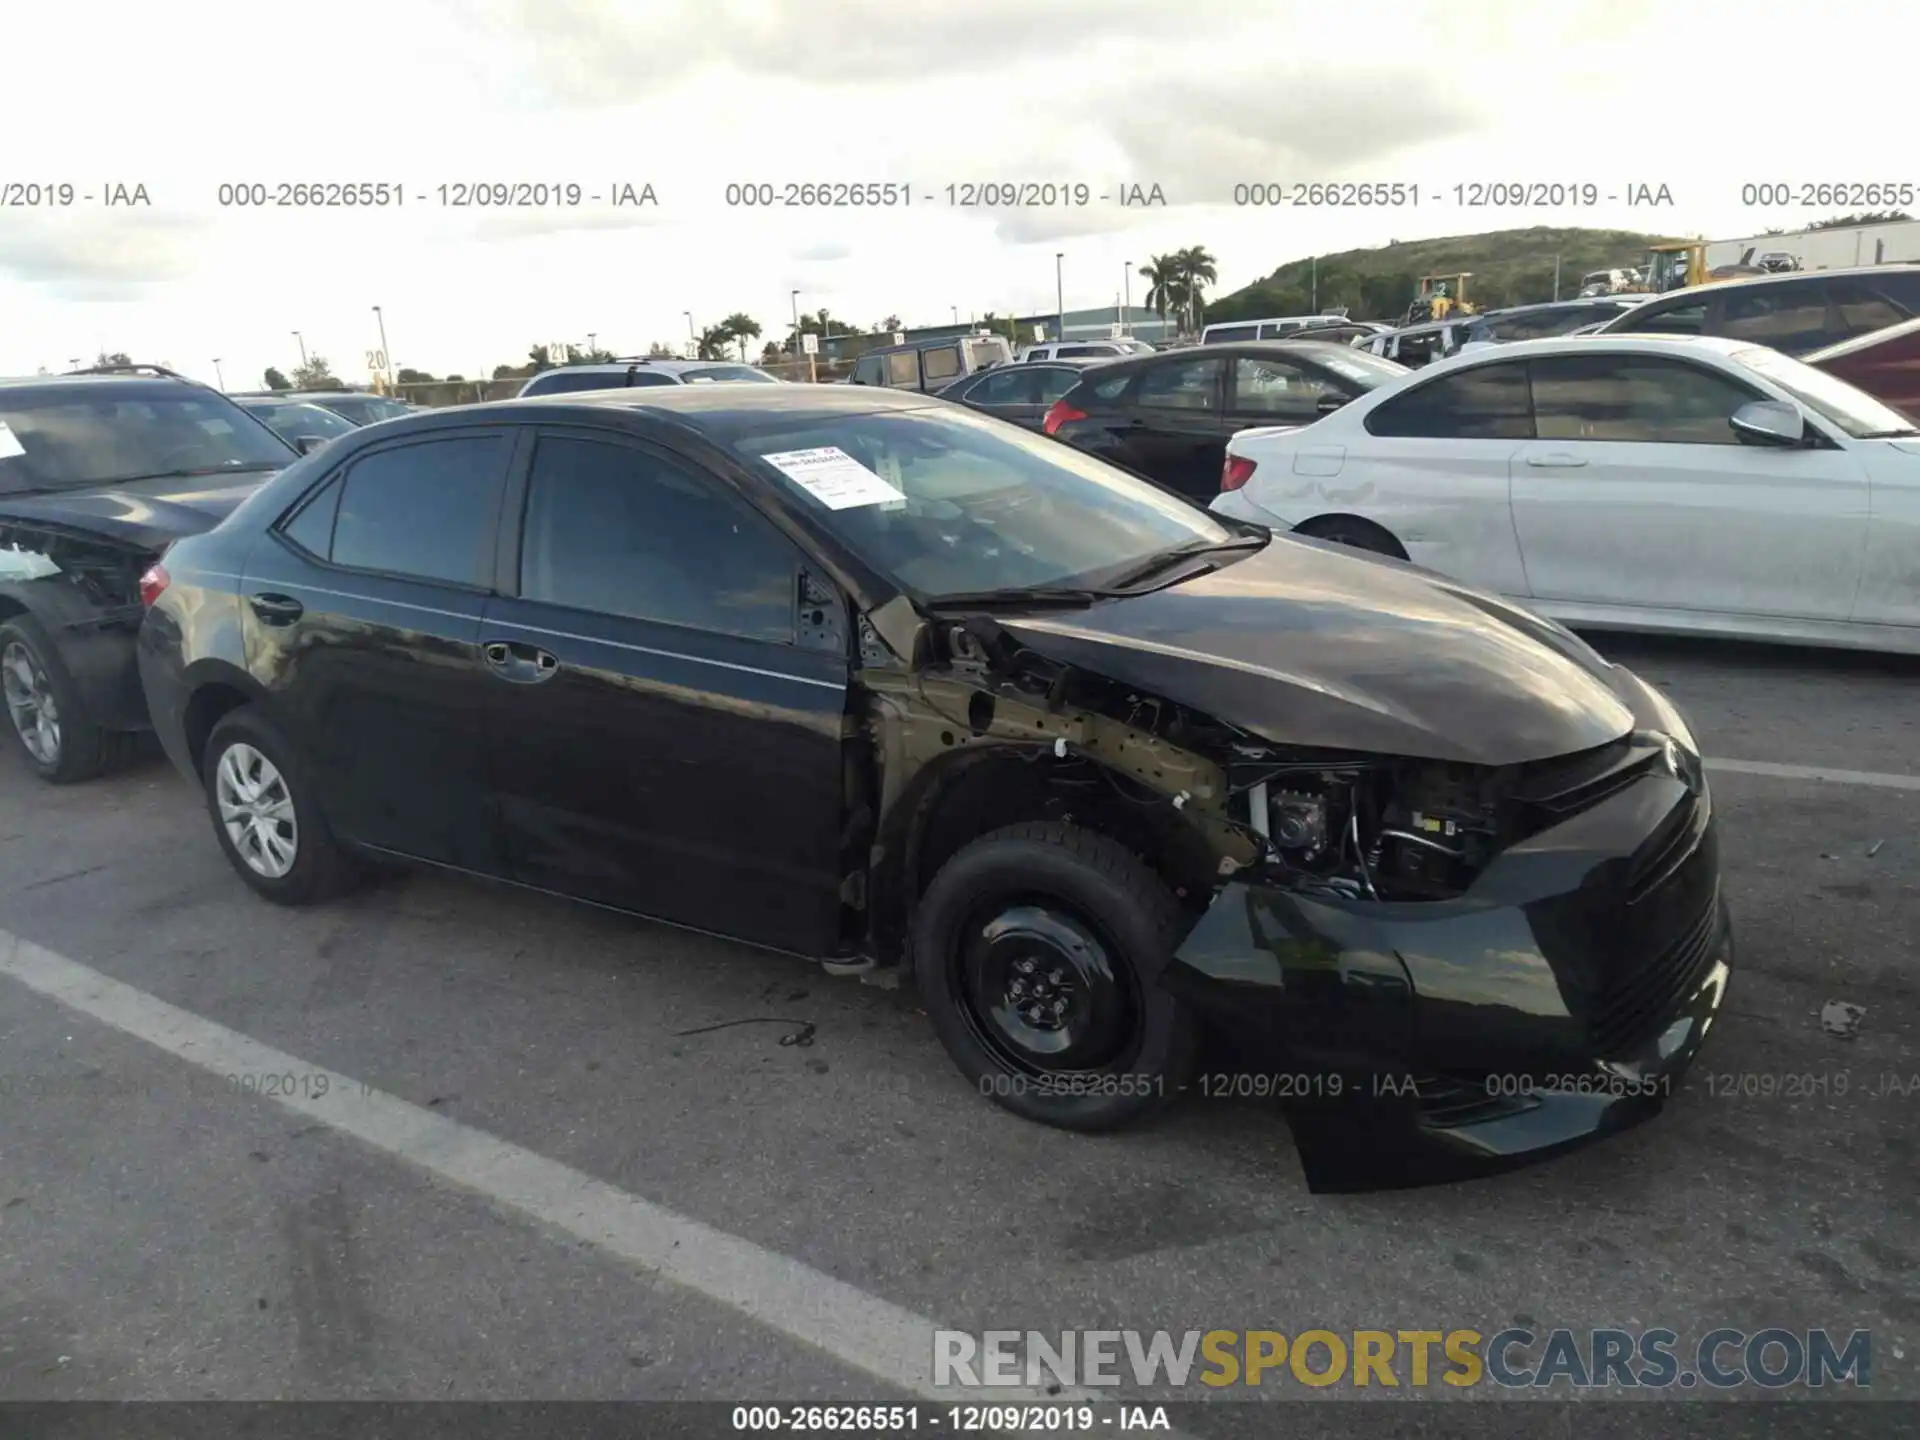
[{"x": 691, "y": 95}]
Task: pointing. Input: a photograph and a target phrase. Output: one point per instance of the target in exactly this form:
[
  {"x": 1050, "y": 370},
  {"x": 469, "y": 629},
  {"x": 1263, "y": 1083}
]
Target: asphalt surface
[{"x": 165, "y": 1236}]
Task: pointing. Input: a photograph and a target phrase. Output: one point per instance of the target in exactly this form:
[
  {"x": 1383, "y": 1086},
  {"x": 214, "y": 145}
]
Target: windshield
[
  {"x": 712, "y": 374},
  {"x": 64, "y": 439},
  {"x": 1833, "y": 399},
  {"x": 290, "y": 422},
  {"x": 945, "y": 502}
]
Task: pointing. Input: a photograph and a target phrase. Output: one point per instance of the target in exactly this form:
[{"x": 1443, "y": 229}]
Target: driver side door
[{"x": 666, "y": 735}]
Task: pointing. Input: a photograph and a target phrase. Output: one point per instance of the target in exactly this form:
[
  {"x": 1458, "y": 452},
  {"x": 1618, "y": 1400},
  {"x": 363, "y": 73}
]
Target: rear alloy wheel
[
  {"x": 31, "y": 705},
  {"x": 1037, "y": 951},
  {"x": 45, "y": 713},
  {"x": 1356, "y": 533},
  {"x": 265, "y": 815}
]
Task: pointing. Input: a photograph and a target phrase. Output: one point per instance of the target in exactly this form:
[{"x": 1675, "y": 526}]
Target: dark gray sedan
[{"x": 1020, "y": 393}]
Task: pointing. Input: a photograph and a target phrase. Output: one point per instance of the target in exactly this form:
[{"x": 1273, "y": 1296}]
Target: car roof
[
  {"x": 946, "y": 340},
  {"x": 78, "y": 384},
  {"x": 1791, "y": 277},
  {"x": 645, "y": 362},
  {"x": 1231, "y": 350},
  {"x": 1592, "y": 344},
  {"x": 716, "y": 409}
]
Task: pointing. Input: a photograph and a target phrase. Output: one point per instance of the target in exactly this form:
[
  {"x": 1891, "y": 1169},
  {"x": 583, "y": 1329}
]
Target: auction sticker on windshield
[
  {"x": 834, "y": 478},
  {"x": 10, "y": 445}
]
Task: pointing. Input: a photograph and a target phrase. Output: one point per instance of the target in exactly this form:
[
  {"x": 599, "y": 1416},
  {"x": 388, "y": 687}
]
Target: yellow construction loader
[
  {"x": 1677, "y": 264},
  {"x": 1440, "y": 297}
]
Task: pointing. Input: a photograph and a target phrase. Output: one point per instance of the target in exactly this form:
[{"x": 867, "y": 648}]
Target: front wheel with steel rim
[
  {"x": 1038, "y": 950},
  {"x": 266, "y": 814}
]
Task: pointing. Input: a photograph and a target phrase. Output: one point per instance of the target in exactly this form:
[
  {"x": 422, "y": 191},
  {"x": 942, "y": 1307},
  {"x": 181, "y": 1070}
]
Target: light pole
[
  {"x": 219, "y": 379},
  {"x": 303, "y": 349},
  {"x": 956, "y": 314},
  {"x": 386, "y": 355},
  {"x": 693, "y": 341},
  {"x": 1060, "y": 292},
  {"x": 592, "y": 335},
  {"x": 1126, "y": 292}
]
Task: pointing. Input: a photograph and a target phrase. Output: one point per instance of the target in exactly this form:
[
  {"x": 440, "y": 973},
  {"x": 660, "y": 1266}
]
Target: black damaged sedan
[{"x": 877, "y": 681}]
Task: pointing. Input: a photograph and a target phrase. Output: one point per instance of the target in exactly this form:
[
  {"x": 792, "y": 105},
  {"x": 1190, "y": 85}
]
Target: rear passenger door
[
  {"x": 665, "y": 739},
  {"x": 1176, "y": 428},
  {"x": 362, "y": 616}
]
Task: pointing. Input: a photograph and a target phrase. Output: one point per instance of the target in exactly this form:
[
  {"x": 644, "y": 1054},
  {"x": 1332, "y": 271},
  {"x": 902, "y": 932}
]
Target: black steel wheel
[{"x": 1038, "y": 950}]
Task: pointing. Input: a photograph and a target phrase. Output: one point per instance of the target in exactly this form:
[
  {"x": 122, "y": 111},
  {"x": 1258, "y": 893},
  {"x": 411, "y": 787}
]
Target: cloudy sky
[{"x": 1194, "y": 96}]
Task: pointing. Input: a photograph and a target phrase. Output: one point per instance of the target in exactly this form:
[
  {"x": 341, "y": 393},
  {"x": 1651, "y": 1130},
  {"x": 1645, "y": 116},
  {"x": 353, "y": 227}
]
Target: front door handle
[
  {"x": 276, "y": 609},
  {"x": 1556, "y": 460},
  {"x": 522, "y": 664}
]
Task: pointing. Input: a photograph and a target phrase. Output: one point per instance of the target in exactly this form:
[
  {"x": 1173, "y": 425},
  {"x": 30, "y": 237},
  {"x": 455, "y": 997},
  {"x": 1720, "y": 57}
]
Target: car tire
[
  {"x": 40, "y": 697},
  {"x": 278, "y": 841},
  {"x": 1079, "y": 926},
  {"x": 1352, "y": 531}
]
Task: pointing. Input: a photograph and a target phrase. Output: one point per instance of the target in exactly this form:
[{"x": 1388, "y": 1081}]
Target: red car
[{"x": 1884, "y": 363}]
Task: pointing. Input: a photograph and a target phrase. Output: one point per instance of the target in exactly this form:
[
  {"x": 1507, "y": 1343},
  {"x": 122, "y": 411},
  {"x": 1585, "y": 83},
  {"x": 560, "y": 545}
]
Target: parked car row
[{"x": 876, "y": 679}]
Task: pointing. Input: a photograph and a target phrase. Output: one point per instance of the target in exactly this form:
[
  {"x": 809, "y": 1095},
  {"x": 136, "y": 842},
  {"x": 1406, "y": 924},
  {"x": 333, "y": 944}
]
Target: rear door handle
[
  {"x": 1556, "y": 460},
  {"x": 276, "y": 609}
]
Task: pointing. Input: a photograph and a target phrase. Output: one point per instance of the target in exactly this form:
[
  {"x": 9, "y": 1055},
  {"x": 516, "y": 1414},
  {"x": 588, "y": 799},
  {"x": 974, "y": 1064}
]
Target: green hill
[{"x": 1508, "y": 267}]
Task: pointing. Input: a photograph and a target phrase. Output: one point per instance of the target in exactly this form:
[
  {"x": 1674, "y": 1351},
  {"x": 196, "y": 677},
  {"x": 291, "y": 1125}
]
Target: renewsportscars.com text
[{"x": 1653, "y": 1358}]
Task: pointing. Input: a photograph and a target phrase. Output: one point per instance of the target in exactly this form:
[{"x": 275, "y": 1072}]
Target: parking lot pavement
[{"x": 188, "y": 1241}]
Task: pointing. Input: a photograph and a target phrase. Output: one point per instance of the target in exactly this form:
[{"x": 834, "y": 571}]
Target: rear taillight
[
  {"x": 152, "y": 583},
  {"x": 1236, "y": 472},
  {"x": 1059, "y": 415}
]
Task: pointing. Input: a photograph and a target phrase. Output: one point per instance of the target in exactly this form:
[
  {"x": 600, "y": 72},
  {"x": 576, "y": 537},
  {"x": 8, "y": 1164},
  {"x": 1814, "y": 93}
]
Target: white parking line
[
  {"x": 1877, "y": 778},
  {"x": 859, "y": 1330}
]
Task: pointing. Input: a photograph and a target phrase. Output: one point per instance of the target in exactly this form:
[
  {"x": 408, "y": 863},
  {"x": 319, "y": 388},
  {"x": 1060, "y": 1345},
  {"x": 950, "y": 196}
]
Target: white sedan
[{"x": 1633, "y": 482}]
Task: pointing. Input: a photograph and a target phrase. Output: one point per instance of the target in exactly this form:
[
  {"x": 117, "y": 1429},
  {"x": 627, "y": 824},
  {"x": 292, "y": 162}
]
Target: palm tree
[
  {"x": 742, "y": 327},
  {"x": 1163, "y": 282},
  {"x": 1195, "y": 268}
]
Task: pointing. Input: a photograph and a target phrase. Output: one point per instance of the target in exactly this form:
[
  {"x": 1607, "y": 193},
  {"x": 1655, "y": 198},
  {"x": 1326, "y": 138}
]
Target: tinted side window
[
  {"x": 1488, "y": 402},
  {"x": 1194, "y": 385},
  {"x": 647, "y": 377},
  {"x": 1005, "y": 387},
  {"x": 870, "y": 370},
  {"x": 564, "y": 381},
  {"x": 1688, "y": 319},
  {"x": 1274, "y": 388},
  {"x": 1632, "y": 398},
  {"x": 903, "y": 368},
  {"x": 1054, "y": 384},
  {"x": 1866, "y": 304},
  {"x": 1791, "y": 318},
  {"x": 425, "y": 511},
  {"x": 619, "y": 531},
  {"x": 1225, "y": 333},
  {"x": 1113, "y": 387},
  {"x": 311, "y": 525},
  {"x": 1071, "y": 352},
  {"x": 940, "y": 363}
]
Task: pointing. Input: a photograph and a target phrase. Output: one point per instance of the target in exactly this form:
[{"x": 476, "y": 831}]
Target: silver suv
[
  {"x": 644, "y": 370},
  {"x": 930, "y": 365}
]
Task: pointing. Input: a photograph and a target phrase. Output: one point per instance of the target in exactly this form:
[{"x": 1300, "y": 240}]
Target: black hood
[
  {"x": 149, "y": 514},
  {"x": 1314, "y": 644}
]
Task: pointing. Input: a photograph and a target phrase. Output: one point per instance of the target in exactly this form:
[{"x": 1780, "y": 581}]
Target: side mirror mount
[
  {"x": 1769, "y": 422},
  {"x": 307, "y": 444}
]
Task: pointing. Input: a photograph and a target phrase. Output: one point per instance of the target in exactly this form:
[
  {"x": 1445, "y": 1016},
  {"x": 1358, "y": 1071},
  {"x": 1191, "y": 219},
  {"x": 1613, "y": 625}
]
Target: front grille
[
  {"x": 1666, "y": 850},
  {"x": 1640, "y": 1003}
]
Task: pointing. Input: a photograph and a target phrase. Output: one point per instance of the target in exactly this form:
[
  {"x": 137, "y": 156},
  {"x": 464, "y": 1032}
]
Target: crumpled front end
[{"x": 1556, "y": 998}]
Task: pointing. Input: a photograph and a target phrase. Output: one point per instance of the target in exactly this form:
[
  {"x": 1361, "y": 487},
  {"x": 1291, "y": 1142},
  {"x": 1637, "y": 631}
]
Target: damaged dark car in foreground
[{"x": 878, "y": 681}]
